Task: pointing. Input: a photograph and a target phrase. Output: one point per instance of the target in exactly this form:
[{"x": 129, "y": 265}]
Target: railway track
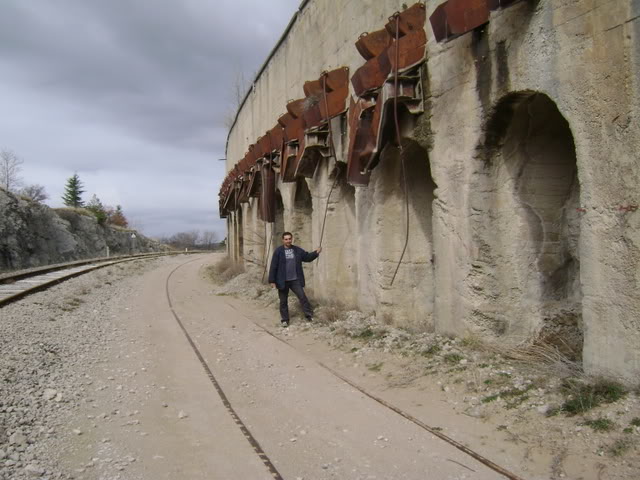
[
  {"x": 16, "y": 285},
  {"x": 503, "y": 472}
]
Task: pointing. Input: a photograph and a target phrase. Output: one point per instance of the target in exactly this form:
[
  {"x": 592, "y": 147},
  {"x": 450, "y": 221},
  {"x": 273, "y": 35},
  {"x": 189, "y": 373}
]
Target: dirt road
[{"x": 155, "y": 413}]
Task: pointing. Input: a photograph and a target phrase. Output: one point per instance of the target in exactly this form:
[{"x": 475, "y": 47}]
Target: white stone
[{"x": 49, "y": 393}]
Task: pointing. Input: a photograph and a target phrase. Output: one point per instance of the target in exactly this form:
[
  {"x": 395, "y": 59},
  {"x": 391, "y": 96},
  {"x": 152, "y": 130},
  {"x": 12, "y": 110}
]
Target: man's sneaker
[
  {"x": 309, "y": 319},
  {"x": 284, "y": 323}
]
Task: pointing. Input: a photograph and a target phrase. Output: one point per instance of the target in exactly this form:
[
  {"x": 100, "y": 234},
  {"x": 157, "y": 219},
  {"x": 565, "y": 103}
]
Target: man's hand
[
  {"x": 318, "y": 250},
  {"x": 273, "y": 285}
]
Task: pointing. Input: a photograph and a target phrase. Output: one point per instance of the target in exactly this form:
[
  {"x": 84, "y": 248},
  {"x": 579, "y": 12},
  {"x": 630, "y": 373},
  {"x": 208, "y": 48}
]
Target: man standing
[{"x": 286, "y": 274}]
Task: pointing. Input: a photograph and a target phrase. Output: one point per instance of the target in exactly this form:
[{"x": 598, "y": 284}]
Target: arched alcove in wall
[
  {"x": 409, "y": 301},
  {"x": 278, "y": 224},
  {"x": 526, "y": 202},
  {"x": 240, "y": 233},
  {"x": 301, "y": 214}
]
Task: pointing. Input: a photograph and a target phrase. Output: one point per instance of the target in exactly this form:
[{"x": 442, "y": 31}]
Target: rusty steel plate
[
  {"x": 464, "y": 16},
  {"x": 370, "y": 76},
  {"x": 338, "y": 78},
  {"x": 372, "y": 44},
  {"x": 276, "y": 137},
  {"x": 267, "y": 199},
  {"x": 264, "y": 145},
  {"x": 296, "y": 107},
  {"x": 411, "y": 51},
  {"x": 496, "y": 4},
  {"x": 410, "y": 20},
  {"x": 313, "y": 88},
  {"x": 439, "y": 25},
  {"x": 312, "y": 116}
]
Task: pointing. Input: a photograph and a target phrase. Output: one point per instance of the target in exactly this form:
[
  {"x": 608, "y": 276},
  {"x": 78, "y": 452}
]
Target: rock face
[
  {"x": 33, "y": 235},
  {"x": 519, "y": 172}
]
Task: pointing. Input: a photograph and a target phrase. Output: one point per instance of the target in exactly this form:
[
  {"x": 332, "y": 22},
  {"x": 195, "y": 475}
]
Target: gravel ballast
[{"x": 50, "y": 343}]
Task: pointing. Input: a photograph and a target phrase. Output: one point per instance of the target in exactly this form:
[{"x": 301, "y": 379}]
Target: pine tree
[{"x": 73, "y": 192}]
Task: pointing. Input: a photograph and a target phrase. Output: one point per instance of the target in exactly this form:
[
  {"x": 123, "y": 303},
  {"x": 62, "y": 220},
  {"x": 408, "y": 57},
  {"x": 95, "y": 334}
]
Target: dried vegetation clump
[{"x": 224, "y": 271}]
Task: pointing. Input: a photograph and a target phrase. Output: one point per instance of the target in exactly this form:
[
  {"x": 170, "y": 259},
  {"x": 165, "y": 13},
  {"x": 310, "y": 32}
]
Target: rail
[{"x": 16, "y": 285}]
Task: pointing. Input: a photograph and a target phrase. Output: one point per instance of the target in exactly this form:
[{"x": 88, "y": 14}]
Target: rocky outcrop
[{"x": 32, "y": 235}]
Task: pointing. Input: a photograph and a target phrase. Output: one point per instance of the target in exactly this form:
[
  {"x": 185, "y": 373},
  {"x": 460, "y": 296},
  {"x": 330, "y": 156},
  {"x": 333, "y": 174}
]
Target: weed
[
  {"x": 620, "y": 447},
  {"x": 516, "y": 401},
  {"x": 432, "y": 350},
  {"x": 354, "y": 349},
  {"x": 461, "y": 368},
  {"x": 471, "y": 341},
  {"x": 627, "y": 430},
  {"x": 71, "y": 304},
  {"x": 515, "y": 392},
  {"x": 488, "y": 381},
  {"x": 501, "y": 428},
  {"x": 375, "y": 367},
  {"x": 437, "y": 429},
  {"x": 387, "y": 318},
  {"x": 600, "y": 424},
  {"x": 452, "y": 358},
  {"x": 331, "y": 312},
  {"x": 483, "y": 365},
  {"x": 553, "y": 411},
  {"x": 490, "y": 398},
  {"x": 635, "y": 421},
  {"x": 225, "y": 270},
  {"x": 583, "y": 397},
  {"x": 366, "y": 333}
]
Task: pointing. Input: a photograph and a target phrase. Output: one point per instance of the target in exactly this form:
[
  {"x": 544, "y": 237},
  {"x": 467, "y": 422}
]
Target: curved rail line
[
  {"x": 14, "y": 286},
  {"x": 243, "y": 428},
  {"x": 434, "y": 431}
]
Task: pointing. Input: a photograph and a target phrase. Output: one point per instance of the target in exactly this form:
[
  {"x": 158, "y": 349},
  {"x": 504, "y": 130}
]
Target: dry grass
[
  {"x": 224, "y": 270},
  {"x": 330, "y": 312},
  {"x": 538, "y": 356},
  {"x": 68, "y": 212}
]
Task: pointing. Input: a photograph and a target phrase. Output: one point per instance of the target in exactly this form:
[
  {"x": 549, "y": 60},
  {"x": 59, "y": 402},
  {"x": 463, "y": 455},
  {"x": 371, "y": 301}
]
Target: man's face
[{"x": 287, "y": 240}]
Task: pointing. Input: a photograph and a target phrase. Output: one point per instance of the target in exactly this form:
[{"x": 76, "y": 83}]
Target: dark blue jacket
[{"x": 278, "y": 270}]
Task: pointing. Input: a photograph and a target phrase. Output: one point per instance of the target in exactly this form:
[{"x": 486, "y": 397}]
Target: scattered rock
[
  {"x": 34, "y": 470},
  {"x": 17, "y": 438},
  {"x": 49, "y": 394}
]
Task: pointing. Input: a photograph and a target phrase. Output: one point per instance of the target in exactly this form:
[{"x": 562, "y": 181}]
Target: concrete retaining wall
[{"x": 523, "y": 179}]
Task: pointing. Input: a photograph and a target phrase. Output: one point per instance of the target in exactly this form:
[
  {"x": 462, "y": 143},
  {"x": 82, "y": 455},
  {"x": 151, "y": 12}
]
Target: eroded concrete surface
[{"x": 521, "y": 175}]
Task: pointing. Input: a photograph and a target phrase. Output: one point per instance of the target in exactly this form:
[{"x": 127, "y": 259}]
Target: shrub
[{"x": 584, "y": 397}]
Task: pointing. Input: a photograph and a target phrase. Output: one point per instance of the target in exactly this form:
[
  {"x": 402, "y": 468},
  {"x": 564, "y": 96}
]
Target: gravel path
[{"x": 49, "y": 344}]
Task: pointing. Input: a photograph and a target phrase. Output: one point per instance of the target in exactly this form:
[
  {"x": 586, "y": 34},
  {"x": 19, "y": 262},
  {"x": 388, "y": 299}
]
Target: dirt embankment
[{"x": 32, "y": 235}]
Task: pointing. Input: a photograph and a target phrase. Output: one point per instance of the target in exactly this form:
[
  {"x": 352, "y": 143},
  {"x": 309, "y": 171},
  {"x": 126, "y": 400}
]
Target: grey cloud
[
  {"x": 131, "y": 94},
  {"x": 160, "y": 68}
]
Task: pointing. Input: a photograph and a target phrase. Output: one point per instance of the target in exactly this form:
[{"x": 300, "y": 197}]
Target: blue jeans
[{"x": 295, "y": 287}]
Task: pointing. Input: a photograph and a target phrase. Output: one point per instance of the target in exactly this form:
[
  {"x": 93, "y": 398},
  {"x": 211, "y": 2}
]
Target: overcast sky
[{"x": 132, "y": 95}]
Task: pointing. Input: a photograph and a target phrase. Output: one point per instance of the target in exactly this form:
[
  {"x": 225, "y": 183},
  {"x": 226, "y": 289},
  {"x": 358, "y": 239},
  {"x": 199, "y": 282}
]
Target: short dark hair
[{"x": 287, "y": 233}]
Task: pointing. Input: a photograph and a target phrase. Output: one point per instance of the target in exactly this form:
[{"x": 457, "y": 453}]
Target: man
[{"x": 286, "y": 274}]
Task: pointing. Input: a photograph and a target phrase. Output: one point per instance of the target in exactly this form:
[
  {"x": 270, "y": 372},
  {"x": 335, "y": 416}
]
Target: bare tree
[
  {"x": 238, "y": 89},
  {"x": 208, "y": 238},
  {"x": 184, "y": 239},
  {"x": 10, "y": 167},
  {"x": 35, "y": 193}
]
